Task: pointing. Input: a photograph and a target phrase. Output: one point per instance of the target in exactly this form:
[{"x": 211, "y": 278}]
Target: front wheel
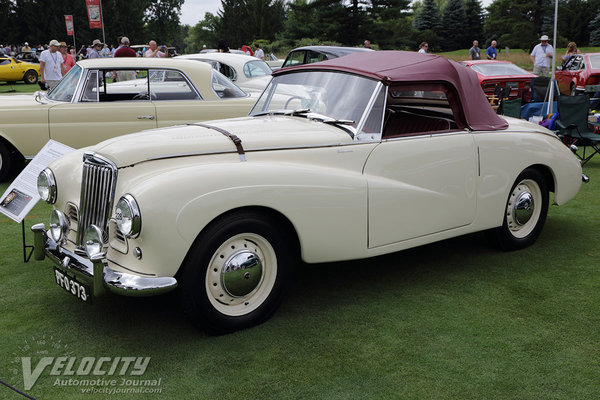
[
  {"x": 236, "y": 273},
  {"x": 525, "y": 212}
]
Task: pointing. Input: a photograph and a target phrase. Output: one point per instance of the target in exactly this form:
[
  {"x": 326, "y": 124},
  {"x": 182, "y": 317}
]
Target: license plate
[{"x": 77, "y": 289}]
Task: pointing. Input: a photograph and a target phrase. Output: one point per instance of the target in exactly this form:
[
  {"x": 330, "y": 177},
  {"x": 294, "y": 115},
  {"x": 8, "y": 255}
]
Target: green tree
[
  {"x": 515, "y": 23},
  {"x": 428, "y": 17},
  {"x": 594, "y": 26},
  {"x": 574, "y": 17},
  {"x": 162, "y": 20},
  {"x": 203, "y": 33},
  {"x": 427, "y": 23},
  {"x": 241, "y": 22},
  {"x": 454, "y": 23},
  {"x": 332, "y": 22},
  {"x": 300, "y": 21},
  {"x": 387, "y": 24},
  {"x": 474, "y": 21}
]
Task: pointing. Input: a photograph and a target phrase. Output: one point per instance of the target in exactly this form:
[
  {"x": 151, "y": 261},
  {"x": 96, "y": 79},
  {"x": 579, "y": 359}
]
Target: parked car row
[
  {"x": 342, "y": 159},
  {"x": 86, "y": 107}
]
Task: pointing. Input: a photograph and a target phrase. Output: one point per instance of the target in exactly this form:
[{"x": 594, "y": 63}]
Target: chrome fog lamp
[
  {"x": 46, "y": 185},
  {"x": 128, "y": 217},
  {"x": 92, "y": 240},
  {"x": 59, "y": 226}
]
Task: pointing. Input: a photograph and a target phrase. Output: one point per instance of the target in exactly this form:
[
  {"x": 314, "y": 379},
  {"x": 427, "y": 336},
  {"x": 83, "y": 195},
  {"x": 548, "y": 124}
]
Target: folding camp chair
[
  {"x": 575, "y": 127},
  {"x": 512, "y": 108},
  {"x": 500, "y": 93},
  {"x": 539, "y": 86}
]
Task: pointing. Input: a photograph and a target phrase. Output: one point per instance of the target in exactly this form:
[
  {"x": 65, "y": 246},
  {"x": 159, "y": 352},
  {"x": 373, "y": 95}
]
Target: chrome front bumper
[{"x": 95, "y": 272}]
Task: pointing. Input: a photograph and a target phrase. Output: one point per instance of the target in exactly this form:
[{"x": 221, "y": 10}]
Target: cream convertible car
[
  {"x": 349, "y": 158},
  {"x": 87, "y": 107}
]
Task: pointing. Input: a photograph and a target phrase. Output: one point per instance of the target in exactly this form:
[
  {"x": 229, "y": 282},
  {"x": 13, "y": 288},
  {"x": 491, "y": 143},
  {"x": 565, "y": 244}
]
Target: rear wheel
[
  {"x": 573, "y": 90},
  {"x": 5, "y": 162},
  {"x": 236, "y": 273},
  {"x": 30, "y": 77},
  {"x": 525, "y": 213}
]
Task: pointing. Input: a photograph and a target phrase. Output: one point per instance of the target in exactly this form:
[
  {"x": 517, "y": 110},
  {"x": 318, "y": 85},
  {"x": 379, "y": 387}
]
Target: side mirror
[{"x": 559, "y": 67}]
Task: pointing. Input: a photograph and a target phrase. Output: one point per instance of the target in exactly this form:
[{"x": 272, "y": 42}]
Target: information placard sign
[{"x": 22, "y": 194}]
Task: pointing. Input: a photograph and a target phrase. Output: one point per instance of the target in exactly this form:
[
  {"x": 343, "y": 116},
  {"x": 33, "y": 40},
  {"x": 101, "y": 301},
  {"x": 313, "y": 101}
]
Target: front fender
[{"x": 326, "y": 206}]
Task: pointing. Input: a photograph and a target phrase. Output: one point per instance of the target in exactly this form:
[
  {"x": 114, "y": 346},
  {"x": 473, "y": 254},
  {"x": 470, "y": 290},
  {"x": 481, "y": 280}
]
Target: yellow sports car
[{"x": 12, "y": 70}]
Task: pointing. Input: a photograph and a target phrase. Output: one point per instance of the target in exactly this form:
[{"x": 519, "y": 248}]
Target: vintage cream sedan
[
  {"x": 349, "y": 158},
  {"x": 89, "y": 106},
  {"x": 247, "y": 72}
]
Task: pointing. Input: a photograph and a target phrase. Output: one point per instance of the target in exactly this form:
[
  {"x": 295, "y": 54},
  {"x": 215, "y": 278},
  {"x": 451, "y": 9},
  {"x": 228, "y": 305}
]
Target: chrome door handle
[{"x": 145, "y": 117}]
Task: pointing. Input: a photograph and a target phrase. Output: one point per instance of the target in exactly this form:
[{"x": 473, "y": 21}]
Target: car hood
[
  {"x": 256, "y": 84},
  {"x": 17, "y": 101},
  {"x": 256, "y": 133}
]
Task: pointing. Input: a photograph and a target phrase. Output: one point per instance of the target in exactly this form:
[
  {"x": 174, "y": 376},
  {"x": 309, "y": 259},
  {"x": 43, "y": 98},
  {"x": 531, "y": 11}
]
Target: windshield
[
  {"x": 253, "y": 69},
  {"x": 65, "y": 89},
  {"x": 595, "y": 61},
  {"x": 496, "y": 69},
  {"x": 224, "y": 88},
  {"x": 333, "y": 94}
]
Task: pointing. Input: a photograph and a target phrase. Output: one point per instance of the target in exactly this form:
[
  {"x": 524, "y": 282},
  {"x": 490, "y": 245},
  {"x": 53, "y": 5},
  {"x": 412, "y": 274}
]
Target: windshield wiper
[
  {"x": 332, "y": 121},
  {"x": 313, "y": 116},
  {"x": 293, "y": 113}
]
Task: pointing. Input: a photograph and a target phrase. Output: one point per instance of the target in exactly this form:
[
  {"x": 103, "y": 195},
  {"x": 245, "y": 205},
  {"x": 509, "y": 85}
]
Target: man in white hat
[
  {"x": 51, "y": 65},
  {"x": 541, "y": 56}
]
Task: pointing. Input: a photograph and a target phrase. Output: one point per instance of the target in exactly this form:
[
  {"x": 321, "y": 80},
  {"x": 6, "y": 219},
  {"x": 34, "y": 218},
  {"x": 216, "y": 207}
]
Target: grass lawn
[
  {"x": 18, "y": 87},
  {"x": 451, "y": 320}
]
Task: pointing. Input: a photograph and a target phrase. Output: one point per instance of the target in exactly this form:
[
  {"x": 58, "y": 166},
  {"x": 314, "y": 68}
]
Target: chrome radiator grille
[{"x": 98, "y": 183}]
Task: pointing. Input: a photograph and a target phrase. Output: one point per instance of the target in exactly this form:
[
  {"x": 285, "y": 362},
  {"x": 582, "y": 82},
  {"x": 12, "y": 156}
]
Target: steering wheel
[
  {"x": 141, "y": 96},
  {"x": 144, "y": 96},
  {"x": 287, "y": 103}
]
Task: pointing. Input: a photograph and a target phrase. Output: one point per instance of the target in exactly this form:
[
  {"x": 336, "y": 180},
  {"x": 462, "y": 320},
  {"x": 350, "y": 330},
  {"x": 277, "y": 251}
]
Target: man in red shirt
[{"x": 125, "y": 51}]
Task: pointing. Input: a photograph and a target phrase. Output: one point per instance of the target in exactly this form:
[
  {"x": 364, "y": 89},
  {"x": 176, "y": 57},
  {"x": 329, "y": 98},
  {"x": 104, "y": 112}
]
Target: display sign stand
[
  {"x": 21, "y": 195},
  {"x": 26, "y": 256}
]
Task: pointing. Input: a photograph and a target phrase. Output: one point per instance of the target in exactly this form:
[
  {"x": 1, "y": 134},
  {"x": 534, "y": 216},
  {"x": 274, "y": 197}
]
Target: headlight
[
  {"x": 46, "y": 185},
  {"x": 59, "y": 226},
  {"x": 92, "y": 240},
  {"x": 128, "y": 217}
]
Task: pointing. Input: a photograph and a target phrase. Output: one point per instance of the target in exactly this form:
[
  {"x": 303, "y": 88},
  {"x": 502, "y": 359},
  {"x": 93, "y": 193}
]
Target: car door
[
  {"x": 567, "y": 75},
  {"x": 103, "y": 109},
  {"x": 421, "y": 178},
  {"x": 9, "y": 69}
]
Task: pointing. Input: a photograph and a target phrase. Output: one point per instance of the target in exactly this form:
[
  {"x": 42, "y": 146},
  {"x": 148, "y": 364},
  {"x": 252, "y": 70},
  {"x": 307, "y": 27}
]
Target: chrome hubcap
[
  {"x": 521, "y": 211},
  {"x": 241, "y": 273},
  {"x": 524, "y": 206}
]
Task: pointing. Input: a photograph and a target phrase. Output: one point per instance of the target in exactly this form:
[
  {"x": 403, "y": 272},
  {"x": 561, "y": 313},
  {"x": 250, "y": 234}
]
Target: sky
[{"x": 193, "y": 11}]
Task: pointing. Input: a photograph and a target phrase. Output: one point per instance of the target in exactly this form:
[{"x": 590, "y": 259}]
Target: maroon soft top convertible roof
[{"x": 405, "y": 66}]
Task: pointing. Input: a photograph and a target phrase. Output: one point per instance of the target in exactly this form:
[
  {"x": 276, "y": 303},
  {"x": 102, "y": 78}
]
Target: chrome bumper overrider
[{"x": 94, "y": 271}]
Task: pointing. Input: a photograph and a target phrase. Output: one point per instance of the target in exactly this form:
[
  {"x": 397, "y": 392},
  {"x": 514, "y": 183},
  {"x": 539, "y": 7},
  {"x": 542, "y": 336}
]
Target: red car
[
  {"x": 504, "y": 73},
  {"x": 579, "y": 71}
]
